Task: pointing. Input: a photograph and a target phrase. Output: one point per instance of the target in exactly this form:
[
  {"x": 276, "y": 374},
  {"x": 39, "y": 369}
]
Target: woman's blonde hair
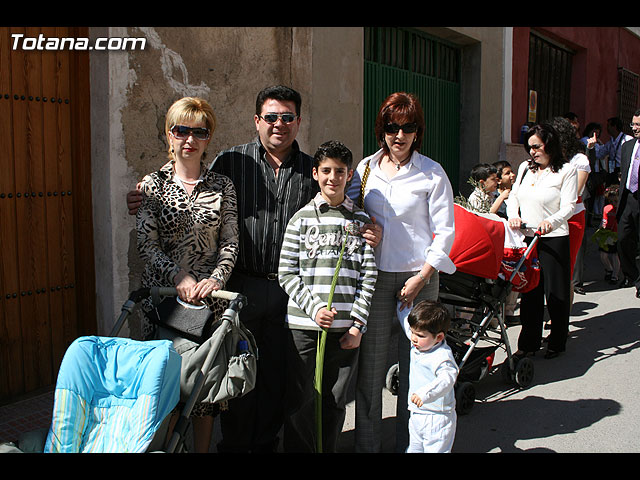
[{"x": 190, "y": 109}]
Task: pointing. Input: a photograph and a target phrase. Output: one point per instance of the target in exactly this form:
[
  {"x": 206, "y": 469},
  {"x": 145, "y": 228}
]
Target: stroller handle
[
  {"x": 172, "y": 291},
  {"x": 156, "y": 292},
  {"x": 524, "y": 226}
]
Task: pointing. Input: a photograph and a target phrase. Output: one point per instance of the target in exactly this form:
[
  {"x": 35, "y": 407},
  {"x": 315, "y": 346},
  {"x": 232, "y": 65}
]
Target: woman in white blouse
[
  {"x": 411, "y": 197},
  {"x": 544, "y": 198}
]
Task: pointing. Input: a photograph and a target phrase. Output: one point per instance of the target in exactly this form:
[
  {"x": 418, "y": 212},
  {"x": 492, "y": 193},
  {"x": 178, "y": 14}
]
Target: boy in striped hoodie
[{"x": 310, "y": 252}]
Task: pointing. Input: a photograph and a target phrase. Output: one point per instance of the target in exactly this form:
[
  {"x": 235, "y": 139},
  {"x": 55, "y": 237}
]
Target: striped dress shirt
[{"x": 266, "y": 202}]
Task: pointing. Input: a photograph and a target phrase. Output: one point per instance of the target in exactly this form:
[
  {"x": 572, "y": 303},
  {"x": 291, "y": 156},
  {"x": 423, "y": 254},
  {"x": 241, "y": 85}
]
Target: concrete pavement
[{"x": 584, "y": 401}]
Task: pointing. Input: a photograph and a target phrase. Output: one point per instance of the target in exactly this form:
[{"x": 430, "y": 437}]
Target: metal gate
[
  {"x": 402, "y": 59},
  {"x": 46, "y": 247}
]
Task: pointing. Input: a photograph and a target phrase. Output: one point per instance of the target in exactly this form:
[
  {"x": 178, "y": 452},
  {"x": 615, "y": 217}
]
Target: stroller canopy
[
  {"x": 112, "y": 394},
  {"x": 479, "y": 243}
]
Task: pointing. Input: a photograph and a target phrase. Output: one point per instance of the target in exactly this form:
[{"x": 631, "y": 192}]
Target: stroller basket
[{"x": 464, "y": 289}]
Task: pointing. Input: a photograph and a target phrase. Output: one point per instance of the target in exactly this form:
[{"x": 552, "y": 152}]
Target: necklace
[
  {"x": 187, "y": 181},
  {"x": 398, "y": 164}
]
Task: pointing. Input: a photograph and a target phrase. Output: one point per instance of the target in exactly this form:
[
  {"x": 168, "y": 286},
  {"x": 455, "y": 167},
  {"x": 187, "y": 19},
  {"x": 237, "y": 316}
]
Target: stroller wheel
[
  {"x": 524, "y": 372},
  {"x": 392, "y": 379},
  {"x": 465, "y": 397}
]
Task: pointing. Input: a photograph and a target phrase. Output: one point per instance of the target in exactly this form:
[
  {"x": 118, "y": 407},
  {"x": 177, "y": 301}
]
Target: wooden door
[{"x": 46, "y": 247}]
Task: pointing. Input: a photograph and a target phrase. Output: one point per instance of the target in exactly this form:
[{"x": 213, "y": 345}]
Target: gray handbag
[{"x": 219, "y": 354}]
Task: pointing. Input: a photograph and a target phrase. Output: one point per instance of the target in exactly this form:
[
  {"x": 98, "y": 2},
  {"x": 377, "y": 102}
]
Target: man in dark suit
[{"x": 628, "y": 212}]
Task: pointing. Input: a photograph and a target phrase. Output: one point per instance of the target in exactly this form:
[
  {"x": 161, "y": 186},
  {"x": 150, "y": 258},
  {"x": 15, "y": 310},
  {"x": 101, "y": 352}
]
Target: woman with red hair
[{"x": 410, "y": 196}]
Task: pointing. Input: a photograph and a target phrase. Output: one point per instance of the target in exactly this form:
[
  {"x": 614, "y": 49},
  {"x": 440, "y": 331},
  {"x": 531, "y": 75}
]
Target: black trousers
[
  {"x": 252, "y": 422},
  {"x": 300, "y": 428},
  {"x": 629, "y": 239},
  {"x": 555, "y": 274}
]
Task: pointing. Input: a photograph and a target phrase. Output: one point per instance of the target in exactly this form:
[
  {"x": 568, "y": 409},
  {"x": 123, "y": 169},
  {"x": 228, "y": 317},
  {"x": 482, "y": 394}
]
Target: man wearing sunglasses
[{"x": 273, "y": 180}]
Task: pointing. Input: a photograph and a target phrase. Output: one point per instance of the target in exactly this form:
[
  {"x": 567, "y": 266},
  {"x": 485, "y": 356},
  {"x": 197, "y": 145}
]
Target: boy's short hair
[
  {"x": 500, "y": 166},
  {"x": 333, "y": 149},
  {"x": 482, "y": 171},
  {"x": 431, "y": 316}
]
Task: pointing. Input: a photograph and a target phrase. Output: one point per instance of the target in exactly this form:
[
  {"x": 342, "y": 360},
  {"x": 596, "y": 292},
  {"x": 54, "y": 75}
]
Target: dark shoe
[
  {"x": 625, "y": 283},
  {"x": 551, "y": 354},
  {"x": 517, "y": 356},
  {"x": 579, "y": 290},
  {"x": 547, "y": 325},
  {"x": 613, "y": 281},
  {"x": 511, "y": 320},
  {"x": 608, "y": 276},
  {"x": 637, "y": 292}
]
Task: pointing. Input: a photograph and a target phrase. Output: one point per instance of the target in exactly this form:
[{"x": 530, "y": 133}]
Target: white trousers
[{"x": 432, "y": 432}]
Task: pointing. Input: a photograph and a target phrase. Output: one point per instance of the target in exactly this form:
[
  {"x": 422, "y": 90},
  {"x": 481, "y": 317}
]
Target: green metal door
[{"x": 402, "y": 59}]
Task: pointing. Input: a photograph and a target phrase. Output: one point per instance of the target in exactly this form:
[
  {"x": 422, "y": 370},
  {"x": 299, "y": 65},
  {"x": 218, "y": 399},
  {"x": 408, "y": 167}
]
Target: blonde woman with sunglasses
[{"x": 187, "y": 228}]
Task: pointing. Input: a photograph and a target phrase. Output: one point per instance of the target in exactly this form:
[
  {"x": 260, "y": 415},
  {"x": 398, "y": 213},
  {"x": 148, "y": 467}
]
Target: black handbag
[{"x": 193, "y": 322}]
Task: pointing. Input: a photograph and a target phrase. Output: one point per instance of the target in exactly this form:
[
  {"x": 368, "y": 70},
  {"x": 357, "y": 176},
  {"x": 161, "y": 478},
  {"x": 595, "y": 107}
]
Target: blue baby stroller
[{"x": 116, "y": 394}]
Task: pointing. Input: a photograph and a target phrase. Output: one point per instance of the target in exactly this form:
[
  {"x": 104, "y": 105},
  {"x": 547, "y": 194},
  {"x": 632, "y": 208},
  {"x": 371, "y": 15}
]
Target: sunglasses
[
  {"x": 182, "y": 132},
  {"x": 406, "y": 128},
  {"x": 272, "y": 118}
]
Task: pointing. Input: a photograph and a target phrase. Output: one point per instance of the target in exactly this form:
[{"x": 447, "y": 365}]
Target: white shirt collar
[{"x": 347, "y": 202}]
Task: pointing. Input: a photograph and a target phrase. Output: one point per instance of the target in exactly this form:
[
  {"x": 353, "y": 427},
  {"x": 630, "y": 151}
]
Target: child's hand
[
  {"x": 324, "y": 317},
  {"x": 350, "y": 339},
  {"x": 416, "y": 399}
]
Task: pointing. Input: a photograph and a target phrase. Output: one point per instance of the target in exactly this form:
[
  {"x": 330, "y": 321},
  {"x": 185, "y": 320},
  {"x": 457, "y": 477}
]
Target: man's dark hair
[{"x": 281, "y": 93}]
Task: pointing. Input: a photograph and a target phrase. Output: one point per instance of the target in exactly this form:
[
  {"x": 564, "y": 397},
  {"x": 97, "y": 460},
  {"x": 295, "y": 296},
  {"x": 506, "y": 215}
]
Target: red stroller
[{"x": 479, "y": 288}]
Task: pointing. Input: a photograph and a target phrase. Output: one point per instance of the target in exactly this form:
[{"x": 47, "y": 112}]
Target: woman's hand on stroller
[
  {"x": 515, "y": 222},
  {"x": 203, "y": 288},
  {"x": 192, "y": 291},
  {"x": 544, "y": 227},
  {"x": 184, "y": 283}
]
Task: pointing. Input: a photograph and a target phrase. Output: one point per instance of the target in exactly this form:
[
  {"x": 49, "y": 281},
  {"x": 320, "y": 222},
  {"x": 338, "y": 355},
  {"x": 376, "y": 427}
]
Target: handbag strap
[{"x": 365, "y": 176}]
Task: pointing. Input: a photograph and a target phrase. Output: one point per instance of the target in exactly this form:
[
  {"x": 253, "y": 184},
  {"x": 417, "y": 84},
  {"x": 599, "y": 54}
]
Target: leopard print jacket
[{"x": 197, "y": 232}]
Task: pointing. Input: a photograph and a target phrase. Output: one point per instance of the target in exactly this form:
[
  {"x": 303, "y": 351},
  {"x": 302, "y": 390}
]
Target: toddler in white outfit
[{"x": 432, "y": 376}]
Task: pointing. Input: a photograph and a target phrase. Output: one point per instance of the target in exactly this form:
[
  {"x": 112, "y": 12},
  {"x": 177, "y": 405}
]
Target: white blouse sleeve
[
  {"x": 443, "y": 225},
  {"x": 568, "y": 197}
]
